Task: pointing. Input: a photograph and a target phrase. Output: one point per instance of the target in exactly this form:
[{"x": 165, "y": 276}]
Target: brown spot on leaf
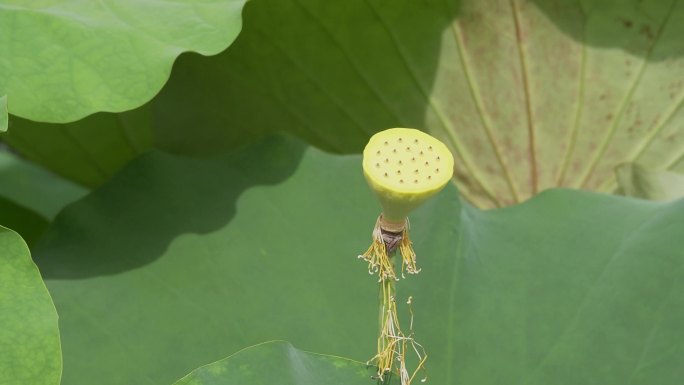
[
  {"x": 630, "y": 107},
  {"x": 609, "y": 117},
  {"x": 634, "y": 127},
  {"x": 576, "y": 167},
  {"x": 627, "y": 23},
  {"x": 647, "y": 31}
]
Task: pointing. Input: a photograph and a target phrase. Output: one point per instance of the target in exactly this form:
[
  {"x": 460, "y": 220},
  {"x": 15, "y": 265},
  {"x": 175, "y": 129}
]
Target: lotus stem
[{"x": 392, "y": 342}]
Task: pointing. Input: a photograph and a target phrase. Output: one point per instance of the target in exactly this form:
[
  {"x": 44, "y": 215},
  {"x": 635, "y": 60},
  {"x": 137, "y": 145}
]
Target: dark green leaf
[
  {"x": 29, "y": 338},
  {"x": 24, "y": 221},
  {"x": 30, "y": 197},
  {"x": 279, "y": 363},
  {"x": 179, "y": 262},
  {"x": 88, "y": 151}
]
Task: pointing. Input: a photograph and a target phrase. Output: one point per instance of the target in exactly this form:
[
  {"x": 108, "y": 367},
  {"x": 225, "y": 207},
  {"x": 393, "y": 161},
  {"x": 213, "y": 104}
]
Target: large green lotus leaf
[
  {"x": 88, "y": 151},
  {"x": 30, "y": 197},
  {"x": 528, "y": 94},
  {"x": 65, "y": 59},
  {"x": 279, "y": 363},
  {"x": 29, "y": 338},
  {"x": 177, "y": 262}
]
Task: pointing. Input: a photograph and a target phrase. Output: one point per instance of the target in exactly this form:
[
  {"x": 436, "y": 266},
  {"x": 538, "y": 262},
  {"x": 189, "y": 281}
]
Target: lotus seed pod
[{"x": 404, "y": 167}]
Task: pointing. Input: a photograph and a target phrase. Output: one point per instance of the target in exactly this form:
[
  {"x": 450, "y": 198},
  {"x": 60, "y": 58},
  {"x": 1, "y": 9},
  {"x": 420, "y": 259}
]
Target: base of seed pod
[{"x": 387, "y": 237}]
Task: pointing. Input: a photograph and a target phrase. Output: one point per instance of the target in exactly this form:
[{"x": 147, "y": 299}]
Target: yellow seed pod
[{"x": 404, "y": 167}]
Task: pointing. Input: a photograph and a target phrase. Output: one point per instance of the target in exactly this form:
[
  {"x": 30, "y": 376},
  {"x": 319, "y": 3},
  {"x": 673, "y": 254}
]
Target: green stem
[
  {"x": 386, "y": 286},
  {"x": 381, "y": 313},
  {"x": 387, "y": 292}
]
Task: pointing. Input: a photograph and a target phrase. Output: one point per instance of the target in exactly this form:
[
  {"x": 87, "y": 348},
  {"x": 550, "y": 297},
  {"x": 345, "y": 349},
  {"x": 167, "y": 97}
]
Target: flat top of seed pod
[{"x": 405, "y": 160}]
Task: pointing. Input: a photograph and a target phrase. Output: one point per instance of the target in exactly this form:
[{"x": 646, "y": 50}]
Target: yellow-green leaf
[
  {"x": 63, "y": 60},
  {"x": 29, "y": 339}
]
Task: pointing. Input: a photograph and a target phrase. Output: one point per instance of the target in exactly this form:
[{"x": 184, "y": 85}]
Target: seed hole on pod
[
  {"x": 399, "y": 140},
  {"x": 429, "y": 176},
  {"x": 415, "y": 181},
  {"x": 437, "y": 170},
  {"x": 386, "y": 143},
  {"x": 377, "y": 165},
  {"x": 386, "y": 175},
  {"x": 401, "y": 181},
  {"x": 421, "y": 153},
  {"x": 400, "y": 162},
  {"x": 415, "y": 141},
  {"x": 430, "y": 148},
  {"x": 378, "y": 152},
  {"x": 413, "y": 159},
  {"x": 427, "y": 163},
  {"x": 438, "y": 159},
  {"x": 386, "y": 160},
  {"x": 399, "y": 172},
  {"x": 415, "y": 171},
  {"x": 394, "y": 150}
]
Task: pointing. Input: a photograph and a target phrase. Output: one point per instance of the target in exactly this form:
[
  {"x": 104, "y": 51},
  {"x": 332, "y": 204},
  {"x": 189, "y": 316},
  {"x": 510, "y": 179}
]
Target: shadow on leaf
[{"x": 203, "y": 200}]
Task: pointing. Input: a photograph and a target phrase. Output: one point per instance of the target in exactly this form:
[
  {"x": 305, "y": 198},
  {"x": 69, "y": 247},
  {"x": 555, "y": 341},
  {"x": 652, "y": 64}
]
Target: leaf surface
[
  {"x": 279, "y": 363},
  {"x": 64, "y": 60},
  {"x": 88, "y": 151},
  {"x": 177, "y": 262},
  {"x": 637, "y": 181},
  {"x": 30, "y": 197},
  {"x": 29, "y": 339},
  {"x": 35, "y": 188}
]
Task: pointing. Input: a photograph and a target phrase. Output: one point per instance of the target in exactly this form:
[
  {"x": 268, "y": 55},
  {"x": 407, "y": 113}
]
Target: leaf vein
[{"x": 477, "y": 99}]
